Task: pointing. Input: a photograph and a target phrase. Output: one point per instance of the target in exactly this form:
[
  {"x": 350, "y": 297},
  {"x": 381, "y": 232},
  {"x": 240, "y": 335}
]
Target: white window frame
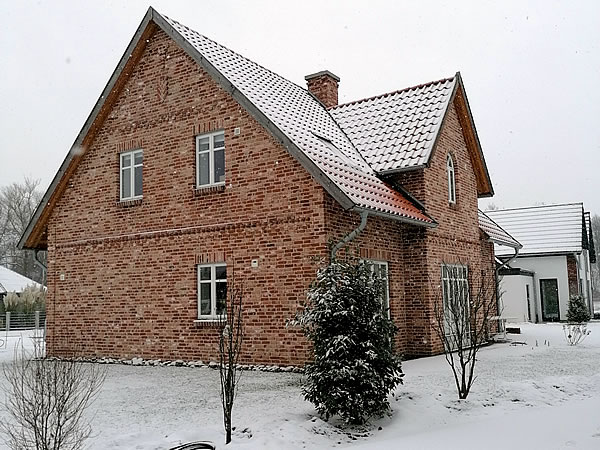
[
  {"x": 211, "y": 158},
  {"x": 133, "y": 167},
  {"x": 447, "y": 281},
  {"x": 386, "y": 301},
  {"x": 213, "y": 290},
  {"x": 451, "y": 180}
]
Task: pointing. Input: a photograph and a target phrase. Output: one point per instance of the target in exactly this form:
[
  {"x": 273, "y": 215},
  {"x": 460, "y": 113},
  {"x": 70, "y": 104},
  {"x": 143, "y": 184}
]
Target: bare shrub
[
  {"x": 575, "y": 333},
  {"x": 462, "y": 312},
  {"x": 230, "y": 348},
  {"x": 46, "y": 400}
]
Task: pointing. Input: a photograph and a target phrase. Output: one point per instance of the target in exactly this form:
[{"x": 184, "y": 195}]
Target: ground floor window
[
  {"x": 455, "y": 293},
  {"x": 212, "y": 290},
  {"x": 380, "y": 271}
]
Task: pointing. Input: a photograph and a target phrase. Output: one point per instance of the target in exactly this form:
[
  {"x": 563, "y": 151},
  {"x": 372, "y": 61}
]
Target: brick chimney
[{"x": 324, "y": 86}]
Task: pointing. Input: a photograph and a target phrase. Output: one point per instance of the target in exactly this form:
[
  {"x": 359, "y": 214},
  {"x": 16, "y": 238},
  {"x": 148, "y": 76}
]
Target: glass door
[{"x": 549, "y": 293}]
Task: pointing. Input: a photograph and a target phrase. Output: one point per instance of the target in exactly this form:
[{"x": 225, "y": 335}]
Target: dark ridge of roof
[{"x": 399, "y": 91}]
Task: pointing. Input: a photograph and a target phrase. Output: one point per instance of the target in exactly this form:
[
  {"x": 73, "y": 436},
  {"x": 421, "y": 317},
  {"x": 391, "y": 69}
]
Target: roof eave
[
  {"x": 76, "y": 148},
  {"x": 490, "y": 189},
  {"x": 398, "y": 217},
  {"x": 152, "y": 16}
]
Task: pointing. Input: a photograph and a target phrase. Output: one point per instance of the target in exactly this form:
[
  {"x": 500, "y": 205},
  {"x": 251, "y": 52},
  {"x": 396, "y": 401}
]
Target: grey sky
[{"x": 531, "y": 72}]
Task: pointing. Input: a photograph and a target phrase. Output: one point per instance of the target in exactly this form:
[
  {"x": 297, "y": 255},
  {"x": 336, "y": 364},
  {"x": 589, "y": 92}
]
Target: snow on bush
[
  {"x": 354, "y": 368},
  {"x": 578, "y": 315},
  {"x": 578, "y": 311}
]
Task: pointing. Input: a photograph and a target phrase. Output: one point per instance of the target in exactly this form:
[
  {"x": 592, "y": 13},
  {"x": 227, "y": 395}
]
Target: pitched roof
[
  {"x": 11, "y": 281},
  {"x": 543, "y": 230},
  {"x": 496, "y": 233},
  {"x": 397, "y": 130},
  {"x": 288, "y": 111}
]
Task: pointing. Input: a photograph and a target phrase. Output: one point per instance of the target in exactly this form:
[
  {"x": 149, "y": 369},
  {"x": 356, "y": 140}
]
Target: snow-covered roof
[
  {"x": 547, "y": 229},
  {"x": 397, "y": 130},
  {"x": 293, "y": 116},
  {"x": 496, "y": 233},
  {"x": 11, "y": 281},
  {"x": 307, "y": 124}
]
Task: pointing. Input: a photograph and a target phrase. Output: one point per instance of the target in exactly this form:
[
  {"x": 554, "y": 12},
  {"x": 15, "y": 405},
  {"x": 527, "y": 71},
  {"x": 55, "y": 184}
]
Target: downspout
[
  {"x": 41, "y": 265},
  {"x": 352, "y": 235}
]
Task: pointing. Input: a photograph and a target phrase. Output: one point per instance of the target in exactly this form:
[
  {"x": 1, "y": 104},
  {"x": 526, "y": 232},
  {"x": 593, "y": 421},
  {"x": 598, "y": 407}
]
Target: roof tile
[
  {"x": 413, "y": 115},
  {"x": 300, "y": 117}
]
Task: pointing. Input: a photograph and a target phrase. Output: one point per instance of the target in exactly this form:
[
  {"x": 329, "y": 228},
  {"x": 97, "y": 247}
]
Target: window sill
[
  {"x": 130, "y": 202},
  {"x": 208, "y": 189},
  {"x": 207, "y": 322}
]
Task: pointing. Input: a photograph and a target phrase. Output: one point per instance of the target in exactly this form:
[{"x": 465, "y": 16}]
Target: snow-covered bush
[
  {"x": 578, "y": 311},
  {"x": 355, "y": 367},
  {"x": 575, "y": 332}
]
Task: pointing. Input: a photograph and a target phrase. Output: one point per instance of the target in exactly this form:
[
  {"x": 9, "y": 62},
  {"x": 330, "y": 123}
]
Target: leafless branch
[
  {"x": 462, "y": 313},
  {"x": 46, "y": 400},
  {"x": 230, "y": 347}
]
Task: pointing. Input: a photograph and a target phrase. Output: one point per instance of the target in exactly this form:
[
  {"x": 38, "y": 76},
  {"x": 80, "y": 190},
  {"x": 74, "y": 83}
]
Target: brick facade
[
  {"x": 129, "y": 268},
  {"x": 572, "y": 275}
]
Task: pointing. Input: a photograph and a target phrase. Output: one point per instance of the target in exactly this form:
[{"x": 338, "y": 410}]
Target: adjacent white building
[
  {"x": 553, "y": 263},
  {"x": 11, "y": 281}
]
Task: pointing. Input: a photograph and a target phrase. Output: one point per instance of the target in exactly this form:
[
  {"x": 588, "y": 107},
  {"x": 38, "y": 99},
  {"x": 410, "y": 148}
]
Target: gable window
[
  {"x": 212, "y": 290},
  {"x": 131, "y": 166},
  {"x": 379, "y": 269},
  {"x": 210, "y": 159},
  {"x": 451, "y": 180}
]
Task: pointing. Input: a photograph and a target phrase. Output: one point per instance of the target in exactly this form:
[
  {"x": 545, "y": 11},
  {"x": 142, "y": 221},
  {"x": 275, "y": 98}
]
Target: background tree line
[{"x": 18, "y": 202}]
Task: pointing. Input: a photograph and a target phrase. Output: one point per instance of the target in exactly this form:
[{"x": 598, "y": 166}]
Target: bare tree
[
  {"x": 462, "y": 319},
  {"x": 18, "y": 202},
  {"x": 230, "y": 348},
  {"x": 46, "y": 400}
]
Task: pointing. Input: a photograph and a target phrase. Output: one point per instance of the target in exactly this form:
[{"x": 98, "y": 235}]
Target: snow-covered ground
[{"x": 540, "y": 395}]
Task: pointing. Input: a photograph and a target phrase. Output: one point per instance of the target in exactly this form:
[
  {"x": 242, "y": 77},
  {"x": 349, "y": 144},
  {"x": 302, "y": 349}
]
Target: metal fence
[{"x": 12, "y": 321}]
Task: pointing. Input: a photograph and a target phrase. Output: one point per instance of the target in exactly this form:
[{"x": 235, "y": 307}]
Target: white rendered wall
[
  {"x": 548, "y": 267},
  {"x": 513, "y": 300}
]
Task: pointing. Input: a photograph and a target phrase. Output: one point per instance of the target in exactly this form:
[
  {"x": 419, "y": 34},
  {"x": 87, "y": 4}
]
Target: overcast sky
[{"x": 531, "y": 72}]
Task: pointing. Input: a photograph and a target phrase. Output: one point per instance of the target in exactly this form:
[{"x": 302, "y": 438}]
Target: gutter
[{"x": 352, "y": 235}]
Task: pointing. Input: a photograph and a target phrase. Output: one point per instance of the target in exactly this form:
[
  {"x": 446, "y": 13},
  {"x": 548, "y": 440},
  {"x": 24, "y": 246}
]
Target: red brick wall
[
  {"x": 572, "y": 275},
  {"x": 457, "y": 239},
  {"x": 130, "y": 272},
  {"x": 325, "y": 88},
  {"x": 130, "y": 284}
]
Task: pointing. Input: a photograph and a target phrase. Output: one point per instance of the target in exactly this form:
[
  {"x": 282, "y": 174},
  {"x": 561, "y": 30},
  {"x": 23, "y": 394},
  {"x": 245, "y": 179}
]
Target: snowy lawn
[{"x": 526, "y": 397}]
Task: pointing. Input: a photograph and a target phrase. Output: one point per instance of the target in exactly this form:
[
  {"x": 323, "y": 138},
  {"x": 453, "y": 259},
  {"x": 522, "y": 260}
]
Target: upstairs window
[
  {"x": 131, "y": 166},
  {"x": 451, "y": 180},
  {"x": 212, "y": 290},
  {"x": 210, "y": 159}
]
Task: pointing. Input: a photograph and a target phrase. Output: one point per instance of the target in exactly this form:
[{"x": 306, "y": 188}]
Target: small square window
[{"x": 131, "y": 169}]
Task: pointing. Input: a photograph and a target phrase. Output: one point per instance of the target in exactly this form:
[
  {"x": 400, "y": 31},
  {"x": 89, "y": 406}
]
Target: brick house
[{"x": 197, "y": 164}]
